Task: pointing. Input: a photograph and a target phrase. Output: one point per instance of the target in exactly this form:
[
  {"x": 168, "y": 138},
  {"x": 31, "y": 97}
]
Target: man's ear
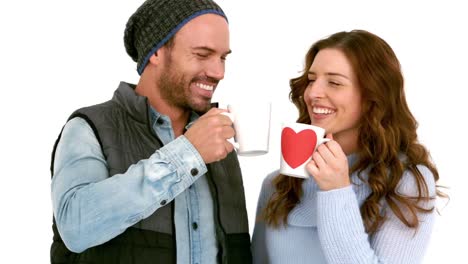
[{"x": 155, "y": 58}]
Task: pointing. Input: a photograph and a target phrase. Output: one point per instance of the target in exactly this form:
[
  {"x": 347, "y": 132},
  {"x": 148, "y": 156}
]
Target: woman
[{"x": 371, "y": 194}]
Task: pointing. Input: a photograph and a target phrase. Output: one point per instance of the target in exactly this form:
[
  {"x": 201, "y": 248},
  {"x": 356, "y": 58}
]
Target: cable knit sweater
[{"x": 326, "y": 227}]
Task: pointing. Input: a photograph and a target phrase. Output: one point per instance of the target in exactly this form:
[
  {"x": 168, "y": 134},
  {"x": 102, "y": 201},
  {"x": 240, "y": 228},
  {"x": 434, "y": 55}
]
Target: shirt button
[
  {"x": 163, "y": 202},
  {"x": 194, "y": 225},
  {"x": 194, "y": 172}
]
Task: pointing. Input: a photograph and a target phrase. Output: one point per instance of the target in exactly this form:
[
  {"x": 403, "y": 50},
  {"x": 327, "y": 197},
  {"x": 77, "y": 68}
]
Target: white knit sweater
[{"x": 326, "y": 227}]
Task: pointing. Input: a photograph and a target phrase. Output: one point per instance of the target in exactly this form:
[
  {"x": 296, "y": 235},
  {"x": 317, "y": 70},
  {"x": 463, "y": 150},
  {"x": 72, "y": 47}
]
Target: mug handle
[
  {"x": 322, "y": 141},
  {"x": 231, "y": 140}
]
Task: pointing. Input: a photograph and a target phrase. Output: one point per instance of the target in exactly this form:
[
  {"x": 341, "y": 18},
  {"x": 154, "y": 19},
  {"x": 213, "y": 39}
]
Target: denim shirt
[{"x": 91, "y": 208}]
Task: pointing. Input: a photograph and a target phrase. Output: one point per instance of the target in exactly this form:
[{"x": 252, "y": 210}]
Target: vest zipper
[{"x": 222, "y": 240}]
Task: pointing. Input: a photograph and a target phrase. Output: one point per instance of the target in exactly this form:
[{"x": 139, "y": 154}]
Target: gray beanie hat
[{"x": 156, "y": 21}]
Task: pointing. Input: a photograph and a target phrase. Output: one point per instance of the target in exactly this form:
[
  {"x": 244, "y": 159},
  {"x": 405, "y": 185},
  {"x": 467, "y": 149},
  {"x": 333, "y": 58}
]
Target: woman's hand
[{"x": 329, "y": 166}]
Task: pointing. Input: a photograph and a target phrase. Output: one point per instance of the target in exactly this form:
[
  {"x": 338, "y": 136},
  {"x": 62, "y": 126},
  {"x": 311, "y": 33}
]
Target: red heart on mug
[{"x": 297, "y": 148}]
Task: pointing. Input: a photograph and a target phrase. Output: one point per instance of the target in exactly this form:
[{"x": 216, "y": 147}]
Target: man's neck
[
  {"x": 179, "y": 120},
  {"x": 179, "y": 117}
]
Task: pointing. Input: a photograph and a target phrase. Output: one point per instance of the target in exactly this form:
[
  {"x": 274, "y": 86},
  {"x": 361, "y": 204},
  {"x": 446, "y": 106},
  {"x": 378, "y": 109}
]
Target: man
[{"x": 149, "y": 176}]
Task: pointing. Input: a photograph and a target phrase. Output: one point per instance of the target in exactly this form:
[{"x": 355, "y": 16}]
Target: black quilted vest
[{"x": 123, "y": 129}]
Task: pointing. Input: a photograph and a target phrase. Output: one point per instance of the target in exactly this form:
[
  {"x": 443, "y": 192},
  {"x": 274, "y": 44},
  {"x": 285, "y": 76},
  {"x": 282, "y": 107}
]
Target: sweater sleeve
[
  {"x": 343, "y": 237},
  {"x": 259, "y": 248}
]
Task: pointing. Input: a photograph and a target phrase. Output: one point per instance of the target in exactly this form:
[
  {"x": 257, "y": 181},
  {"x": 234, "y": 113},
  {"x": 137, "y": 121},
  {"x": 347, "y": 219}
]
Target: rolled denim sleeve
[{"x": 91, "y": 208}]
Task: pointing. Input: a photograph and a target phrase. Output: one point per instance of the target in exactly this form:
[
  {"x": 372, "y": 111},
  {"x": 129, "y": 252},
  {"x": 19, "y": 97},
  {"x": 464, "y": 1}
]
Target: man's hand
[{"x": 209, "y": 135}]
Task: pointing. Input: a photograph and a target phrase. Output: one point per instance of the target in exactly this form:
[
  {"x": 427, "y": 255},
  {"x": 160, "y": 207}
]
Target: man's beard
[{"x": 175, "y": 90}]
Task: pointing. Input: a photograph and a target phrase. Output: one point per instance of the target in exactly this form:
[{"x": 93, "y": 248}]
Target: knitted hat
[{"x": 156, "y": 21}]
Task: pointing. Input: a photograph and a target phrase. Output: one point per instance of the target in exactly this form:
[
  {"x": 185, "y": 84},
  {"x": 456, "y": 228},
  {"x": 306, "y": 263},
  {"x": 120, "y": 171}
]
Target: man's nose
[{"x": 216, "y": 69}]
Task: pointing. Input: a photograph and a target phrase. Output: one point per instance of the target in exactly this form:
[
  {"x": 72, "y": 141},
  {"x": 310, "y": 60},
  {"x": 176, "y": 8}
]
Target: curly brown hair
[{"x": 386, "y": 131}]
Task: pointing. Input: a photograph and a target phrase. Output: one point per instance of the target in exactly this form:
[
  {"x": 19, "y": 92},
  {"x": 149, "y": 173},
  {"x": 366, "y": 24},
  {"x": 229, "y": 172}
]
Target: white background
[{"x": 56, "y": 56}]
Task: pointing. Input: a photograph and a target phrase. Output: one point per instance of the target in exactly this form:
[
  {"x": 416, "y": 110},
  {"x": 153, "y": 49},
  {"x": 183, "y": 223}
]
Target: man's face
[{"x": 192, "y": 67}]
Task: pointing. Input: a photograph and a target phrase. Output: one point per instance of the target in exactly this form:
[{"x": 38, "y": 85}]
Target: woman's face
[{"x": 333, "y": 97}]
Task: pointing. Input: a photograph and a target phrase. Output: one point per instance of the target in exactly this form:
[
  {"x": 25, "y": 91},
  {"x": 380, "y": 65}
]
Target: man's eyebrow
[{"x": 205, "y": 48}]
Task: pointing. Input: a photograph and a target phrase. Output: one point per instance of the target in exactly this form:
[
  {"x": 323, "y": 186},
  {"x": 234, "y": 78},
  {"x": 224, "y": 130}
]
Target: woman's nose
[{"x": 315, "y": 90}]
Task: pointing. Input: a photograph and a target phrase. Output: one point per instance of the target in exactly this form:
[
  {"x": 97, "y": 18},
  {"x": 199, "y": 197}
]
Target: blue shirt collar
[{"x": 155, "y": 116}]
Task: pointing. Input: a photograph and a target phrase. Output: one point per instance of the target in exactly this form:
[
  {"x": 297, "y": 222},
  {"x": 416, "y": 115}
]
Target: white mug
[
  {"x": 252, "y": 125},
  {"x": 298, "y": 143}
]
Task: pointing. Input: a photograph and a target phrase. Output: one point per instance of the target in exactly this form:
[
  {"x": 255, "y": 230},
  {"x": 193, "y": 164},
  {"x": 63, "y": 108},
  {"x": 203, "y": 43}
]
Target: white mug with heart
[{"x": 298, "y": 143}]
